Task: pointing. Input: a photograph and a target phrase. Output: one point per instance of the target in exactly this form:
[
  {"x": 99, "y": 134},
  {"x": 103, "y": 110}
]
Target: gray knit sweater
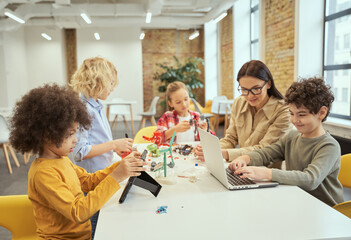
[{"x": 312, "y": 164}]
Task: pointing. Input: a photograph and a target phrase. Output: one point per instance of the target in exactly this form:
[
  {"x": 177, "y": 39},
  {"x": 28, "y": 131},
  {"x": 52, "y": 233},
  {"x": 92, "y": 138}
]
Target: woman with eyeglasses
[{"x": 258, "y": 117}]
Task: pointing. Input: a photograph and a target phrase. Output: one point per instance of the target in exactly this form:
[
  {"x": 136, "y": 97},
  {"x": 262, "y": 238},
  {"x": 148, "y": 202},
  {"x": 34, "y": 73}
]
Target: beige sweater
[{"x": 254, "y": 130}]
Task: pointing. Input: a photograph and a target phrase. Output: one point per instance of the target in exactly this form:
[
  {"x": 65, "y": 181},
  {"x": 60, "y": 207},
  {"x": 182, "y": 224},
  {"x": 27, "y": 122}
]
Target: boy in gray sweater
[{"x": 312, "y": 156}]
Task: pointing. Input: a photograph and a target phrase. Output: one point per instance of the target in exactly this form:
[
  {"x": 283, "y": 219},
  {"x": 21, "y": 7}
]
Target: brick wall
[
  {"x": 226, "y": 52},
  {"x": 159, "y": 46},
  {"x": 279, "y": 41}
]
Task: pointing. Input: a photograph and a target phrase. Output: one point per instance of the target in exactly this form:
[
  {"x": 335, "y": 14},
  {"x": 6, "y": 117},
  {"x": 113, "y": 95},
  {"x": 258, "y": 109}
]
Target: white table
[
  {"x": 123, "y": 103},
  {"x": 207, "y": 210}
]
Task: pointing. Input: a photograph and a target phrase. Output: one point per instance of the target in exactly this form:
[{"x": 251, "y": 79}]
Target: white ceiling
[{"x": 179, "y": 14}]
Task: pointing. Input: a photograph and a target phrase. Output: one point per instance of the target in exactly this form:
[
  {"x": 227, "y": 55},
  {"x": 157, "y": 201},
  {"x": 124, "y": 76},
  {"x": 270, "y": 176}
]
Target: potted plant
[{"x": 188, "y": 73}]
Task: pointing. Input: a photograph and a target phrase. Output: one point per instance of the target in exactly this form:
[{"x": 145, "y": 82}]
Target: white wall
[
  {"x": 122, "y": 47},
  {"x": 45, "y": 59},
  {"x": 14, "y": 79},
  {"x": 241, "y": 18},
  {"x": 211, "y": 60}
]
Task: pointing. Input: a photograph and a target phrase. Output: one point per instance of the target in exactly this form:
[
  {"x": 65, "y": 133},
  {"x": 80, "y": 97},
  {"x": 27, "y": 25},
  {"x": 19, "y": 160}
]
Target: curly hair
[
  {"x": 311, "y": 93},
  {"x": 44, "y": 115},
  {"x": 94, "y": 76}
]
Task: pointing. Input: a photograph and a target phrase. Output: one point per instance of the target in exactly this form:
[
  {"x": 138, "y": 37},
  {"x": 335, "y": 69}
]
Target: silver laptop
[{"x": 215, "y": 164}]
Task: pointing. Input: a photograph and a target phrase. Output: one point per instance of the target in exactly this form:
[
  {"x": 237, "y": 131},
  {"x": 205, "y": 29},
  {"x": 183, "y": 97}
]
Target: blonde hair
[
  {"x": 171, "y": 88},
  {"x": 93, "y": 76}
]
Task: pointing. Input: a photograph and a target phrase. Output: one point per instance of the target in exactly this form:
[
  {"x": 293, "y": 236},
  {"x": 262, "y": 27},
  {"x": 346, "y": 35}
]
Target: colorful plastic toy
[
  {"x": 156, "y": 138},
  {"x": 153, "y": 150},
  {"x": 162, "y": 209}
]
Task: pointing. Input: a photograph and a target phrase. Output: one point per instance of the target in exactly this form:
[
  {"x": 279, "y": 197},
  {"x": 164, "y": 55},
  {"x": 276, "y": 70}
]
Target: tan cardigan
[{"x": 252, "y": 130}]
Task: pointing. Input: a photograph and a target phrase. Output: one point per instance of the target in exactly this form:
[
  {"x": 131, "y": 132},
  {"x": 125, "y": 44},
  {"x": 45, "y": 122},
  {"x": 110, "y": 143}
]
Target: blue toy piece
[{"x": 162, "y": 209}]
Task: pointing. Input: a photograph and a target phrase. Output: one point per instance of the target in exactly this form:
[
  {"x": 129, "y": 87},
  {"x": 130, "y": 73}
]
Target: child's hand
[
  {"x": 183, "y": 126},
  {"x": 255, "y": 173},
  {"x": 239, "y": 162},
  {"x": 123, "y": 145},
  {"x": 203, "y": 125},
  {"x": 129, "y": 166}
]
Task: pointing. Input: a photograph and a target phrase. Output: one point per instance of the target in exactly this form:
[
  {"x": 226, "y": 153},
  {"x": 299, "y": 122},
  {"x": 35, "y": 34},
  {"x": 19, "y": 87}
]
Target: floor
[{"x": 16, "y": 184}]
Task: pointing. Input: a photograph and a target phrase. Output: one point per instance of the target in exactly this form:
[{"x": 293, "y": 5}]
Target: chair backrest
[
  {"x": 119, "y": 109},
  {"x": 345, "y": 170},
  {"x": 17, "y": 216},
  {"x": 215, "y": 104},
  {"x": 146, "y": 131},
  {"x": 344, "y": 208},
  {"x": 196, "y": 105},
  {"x": 152, "y": 108},
  {"x": 4, "y": 130}
]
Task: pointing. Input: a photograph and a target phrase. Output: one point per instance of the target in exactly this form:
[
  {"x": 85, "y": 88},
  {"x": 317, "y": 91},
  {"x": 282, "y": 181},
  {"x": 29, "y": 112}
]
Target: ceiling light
[
  {"x": 86, "y": 18},
  {"x": 220, "y": 17},
  {"x": 12, "y": 15},
  {"x": 142, "y": 35},
  {"x": 97, "y": 36},
  {"x": 195, "y": 34},
  {"x": 148, "y": 17},
  {"x": 47, "y": 37}
]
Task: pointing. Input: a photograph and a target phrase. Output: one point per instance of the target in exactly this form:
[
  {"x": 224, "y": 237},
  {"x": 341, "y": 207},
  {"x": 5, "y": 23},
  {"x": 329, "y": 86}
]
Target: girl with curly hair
[
  {"x": 45, "y": 122},
  {"x": 312, "y": 155},
  {"x": 95, "y": 80}
]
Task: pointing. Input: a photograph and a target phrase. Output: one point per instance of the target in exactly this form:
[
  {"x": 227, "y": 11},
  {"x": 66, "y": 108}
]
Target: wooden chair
[
  {"x": 218, "y": 109},
  {"x": 119, "y": 111},
  {"x": 150, "y": 114},
  {"x": 17, "y": 216},
  {"x": 4, "y": 144}
]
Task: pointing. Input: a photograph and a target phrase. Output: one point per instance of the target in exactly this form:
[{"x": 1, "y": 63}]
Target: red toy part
[
  {"x": 125, "y": 154},
  {"x": 156, "y": 138}
]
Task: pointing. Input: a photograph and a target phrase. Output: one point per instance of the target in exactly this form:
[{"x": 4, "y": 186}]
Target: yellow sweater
[{"x": 55, "y": 188}]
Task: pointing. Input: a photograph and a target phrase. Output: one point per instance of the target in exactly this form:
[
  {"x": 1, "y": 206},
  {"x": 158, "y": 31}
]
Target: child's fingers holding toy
[{"x": 129, "y": 166}]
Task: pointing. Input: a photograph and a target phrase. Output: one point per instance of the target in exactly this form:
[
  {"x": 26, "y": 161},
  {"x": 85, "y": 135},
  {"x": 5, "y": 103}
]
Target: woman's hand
[
  {"x": 255, "y": 173},
  {"x": 199, "y": 153},
  {"x": 129, "y": 166},
  {"x": 239, "y": 162}
]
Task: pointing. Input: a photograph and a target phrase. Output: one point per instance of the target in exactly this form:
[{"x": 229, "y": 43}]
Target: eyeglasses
[{"x": 254, "y": 91}]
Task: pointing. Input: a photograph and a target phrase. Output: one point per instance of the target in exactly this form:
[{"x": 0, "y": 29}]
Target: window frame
[
  {"x": 254, "y": 41},
  {"x": 325, "y": 68}
]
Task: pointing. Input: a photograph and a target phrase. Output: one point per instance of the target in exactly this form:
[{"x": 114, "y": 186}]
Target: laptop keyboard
[{"x": 235, "y": 180}]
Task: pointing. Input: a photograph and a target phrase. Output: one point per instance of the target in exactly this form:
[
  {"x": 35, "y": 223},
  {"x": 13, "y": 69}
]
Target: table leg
[{"x": 131, "y": 118}]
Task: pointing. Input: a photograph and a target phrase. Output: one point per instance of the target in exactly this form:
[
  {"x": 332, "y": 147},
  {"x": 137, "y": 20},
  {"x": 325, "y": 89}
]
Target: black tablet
[{"x": 131, "y": 181}]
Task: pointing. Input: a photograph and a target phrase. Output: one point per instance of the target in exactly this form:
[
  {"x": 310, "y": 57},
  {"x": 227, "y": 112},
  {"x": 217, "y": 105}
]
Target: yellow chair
[
  {"x": 344, "y": 208},
  {"x": 146, "y": 131},
  {"x": 16, "y": 214},
  {"x": 345, "y": 170}
]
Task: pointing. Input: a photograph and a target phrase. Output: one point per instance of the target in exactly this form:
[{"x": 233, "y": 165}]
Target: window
[
  {"x": 337, "y": 46},
  {"x": 345, "y": 94},
  {"x": 347, "y": 41},
  {"x": 255, "y": 30},
  {"x": 337, "y": 64}
]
